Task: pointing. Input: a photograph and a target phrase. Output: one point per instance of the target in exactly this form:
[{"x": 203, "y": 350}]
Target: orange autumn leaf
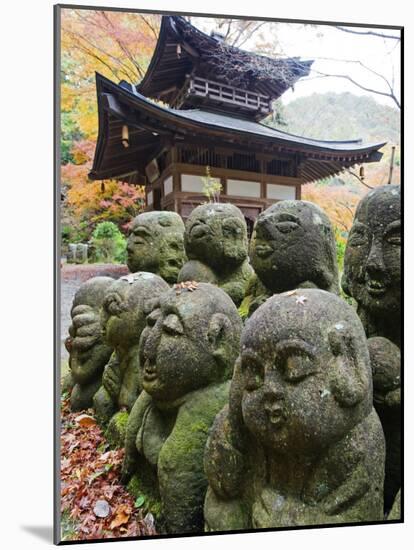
[
  {"x": 85, "y": 420},
  {"x": 123, "y": 513}
]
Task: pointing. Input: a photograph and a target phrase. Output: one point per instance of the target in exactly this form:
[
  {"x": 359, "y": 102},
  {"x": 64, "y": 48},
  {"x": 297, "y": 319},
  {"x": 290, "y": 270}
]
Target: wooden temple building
[{"x": 209, "y": 100}]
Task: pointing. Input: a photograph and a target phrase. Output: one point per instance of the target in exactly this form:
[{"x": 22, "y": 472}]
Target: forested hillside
[
  {"x": 342, "y": 116},
  {"x": 334, "y": 116}
]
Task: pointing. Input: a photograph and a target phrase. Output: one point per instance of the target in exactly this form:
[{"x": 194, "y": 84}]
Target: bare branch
[
  {"x": 145, "y": 20},
  {"x": 358, "y": 178},
  {"x": 124, "y": 48},
  {"x": 371, "y": 33},
  {"x": 255, "y": 29},
  {"x": 350, "y": 79}
]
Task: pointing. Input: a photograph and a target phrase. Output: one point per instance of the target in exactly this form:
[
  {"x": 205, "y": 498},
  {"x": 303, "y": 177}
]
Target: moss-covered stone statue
[
  {"x": 156, "y": 244},
  {"x": 386, "y": 366},
  {"x": 126, "y": 303},
  {"x": 300, "y": 442},
  {"x": 88, "y": 353},
  {"x": 372, "y": 262},
  {"x": 372, "y": 276},
  {"x": 216, "y": 246},
  {"x": 292, "y": 246},
  {"x": 187, "y": 353},
  {"x": 395, "y": 513}
]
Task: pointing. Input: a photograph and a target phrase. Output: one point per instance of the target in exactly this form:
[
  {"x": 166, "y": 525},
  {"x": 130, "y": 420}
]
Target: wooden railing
[{"x": 200, "y": 87}]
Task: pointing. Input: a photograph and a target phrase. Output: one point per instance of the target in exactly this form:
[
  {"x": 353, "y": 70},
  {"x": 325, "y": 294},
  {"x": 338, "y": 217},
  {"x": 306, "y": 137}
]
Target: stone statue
[
  {"x": 292, "y": 246},
  {"x": 88, "y": 353},
  {"x": 299, "y": 442},
  {"x": 126, "y": 303},
  {"x": 372, "y": 263},
  {"x": 216, "y": 246},
  {"x": 156, "y": 244},
  {"x": 395, "y": 513},
  {"x": 372, "y": 276},
  {"x": 386, "y": 364},
  {"x": 187, "y": 353}
]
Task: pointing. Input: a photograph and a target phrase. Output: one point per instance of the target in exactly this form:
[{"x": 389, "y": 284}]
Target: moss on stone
[
  {"x": 116, "y": 430},
  {"x": 66, "y": 379},
  {"x": 139, "y": 487}
]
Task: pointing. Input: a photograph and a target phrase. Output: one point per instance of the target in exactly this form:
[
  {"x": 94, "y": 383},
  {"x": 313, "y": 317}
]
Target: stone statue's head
[
  {"x": 126, "y": 303},
  {"x": 191, "y": 340},
  {"x": 85, "y": 310},
  {"x": 216, "y": 234},
  {"x": 293, "y": 243},
  {"x": 156, "y": 244},
  {"x": 372, "y": 264},
  {"x": 304, "y": 372},
  {"x": 92, "y": 292},
  {"x": 386, "y": 373}
]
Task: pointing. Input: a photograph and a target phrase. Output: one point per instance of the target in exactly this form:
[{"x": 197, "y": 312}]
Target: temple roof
[
  {"x": 151, "y": 124},
  {"x": 182, "y": 49}
]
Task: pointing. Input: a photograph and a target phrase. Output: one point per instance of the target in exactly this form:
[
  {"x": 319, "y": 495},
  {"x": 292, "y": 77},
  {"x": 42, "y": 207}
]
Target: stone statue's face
[
  {"x": 290, "y": 364},
  {"x": 216, "y": 234},
  {"x": 184, "y": 334},
  {"x": 372, "y": 264},
  {"x": 292, "y": 243},
  {"x": 120, "y": 318},
  {"x": 175, "y": 353},
  {"x": 172, "y": 255},
  {"x": 156, "y": 244},
  {"x": 125, "y": 306}
]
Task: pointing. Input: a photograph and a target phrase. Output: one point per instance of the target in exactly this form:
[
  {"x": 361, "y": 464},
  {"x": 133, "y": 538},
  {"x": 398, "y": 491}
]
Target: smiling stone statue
[
  {"x": 292, "y": 246},
  {"x": 300, "y": 442},
  {"x": 372, "y": 276},
  {"x": 156, "y": 244},
  {"x": 216, "y": 245},
  {"x": 126, "y": 303},
  {"x": 187, "y": 354},
  {"x": 372, "y": 263},
  {"x": 88, "y": 353}
]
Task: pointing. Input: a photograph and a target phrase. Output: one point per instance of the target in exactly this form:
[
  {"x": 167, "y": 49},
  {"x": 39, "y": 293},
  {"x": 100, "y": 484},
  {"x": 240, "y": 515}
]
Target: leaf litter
[{"x": 92, "y": 495}]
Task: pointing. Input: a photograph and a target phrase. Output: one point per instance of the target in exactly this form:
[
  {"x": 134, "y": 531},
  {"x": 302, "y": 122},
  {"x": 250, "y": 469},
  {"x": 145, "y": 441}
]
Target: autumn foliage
[{"x": 119, "y": 46}]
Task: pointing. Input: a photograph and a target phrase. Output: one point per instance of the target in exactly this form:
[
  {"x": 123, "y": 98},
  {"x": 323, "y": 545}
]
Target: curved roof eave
[{"x": 219, "y": 122}]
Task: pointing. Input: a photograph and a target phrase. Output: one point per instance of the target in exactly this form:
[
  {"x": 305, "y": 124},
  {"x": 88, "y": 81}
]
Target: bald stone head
[
  {"x": 191, "y": 340},
  {"x": 293, "y": 244},
  {"x": 304, "y": 371},
  {"x": 92, "y": 292},
  {"x": 156, "y": 244},
  {"x": 372, "y": 263},
  {"x": 126, "y": 303},
  {"x": 216, "y": 234}
]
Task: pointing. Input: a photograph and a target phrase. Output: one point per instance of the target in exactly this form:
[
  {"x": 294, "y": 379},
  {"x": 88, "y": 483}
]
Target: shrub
[{"x": 108, "y": 243}]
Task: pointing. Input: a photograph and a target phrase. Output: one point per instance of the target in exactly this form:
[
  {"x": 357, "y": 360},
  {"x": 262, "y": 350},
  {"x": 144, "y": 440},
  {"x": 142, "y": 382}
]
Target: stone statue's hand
[
  {"x": 86, "y": 328},
  {"x": 111, "y": 381}
]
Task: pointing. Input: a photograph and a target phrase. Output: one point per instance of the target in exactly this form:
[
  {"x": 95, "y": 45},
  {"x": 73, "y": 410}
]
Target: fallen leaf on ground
[
  {"x": 122, "y": 516},
  {"x": 85, "y": 420}
]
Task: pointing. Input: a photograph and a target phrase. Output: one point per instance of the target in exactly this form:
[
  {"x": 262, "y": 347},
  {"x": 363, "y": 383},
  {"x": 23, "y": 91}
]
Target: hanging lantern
[
  {"x": 362, "y": 173},
  {"x": 178, "y": 50},
  {"x": 125, "y": 136}
]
